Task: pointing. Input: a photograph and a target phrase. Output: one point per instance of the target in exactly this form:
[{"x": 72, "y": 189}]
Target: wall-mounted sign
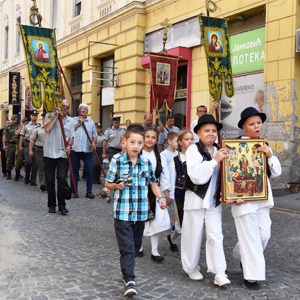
[
  {"x": 3, "y": 106},
  {"x": 247, "y": 51},
  {"x": 14, "y": 88}
]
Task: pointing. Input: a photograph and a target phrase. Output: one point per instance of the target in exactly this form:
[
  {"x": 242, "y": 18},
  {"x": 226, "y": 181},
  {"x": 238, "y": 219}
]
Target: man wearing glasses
[
  {"x": 55, "y": 157},
  {"x": 202, "y": 110}
]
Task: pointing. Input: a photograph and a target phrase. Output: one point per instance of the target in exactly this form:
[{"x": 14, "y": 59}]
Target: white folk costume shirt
[
  {"x": 200, "y": 172},
  {"x": 251, "y": 206},
  {"x": 161, "y": 221}
]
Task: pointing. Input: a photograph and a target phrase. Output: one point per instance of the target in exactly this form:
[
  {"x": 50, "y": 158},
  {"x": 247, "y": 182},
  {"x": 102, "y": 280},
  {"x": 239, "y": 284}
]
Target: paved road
[{"x": 49, "y": 256}]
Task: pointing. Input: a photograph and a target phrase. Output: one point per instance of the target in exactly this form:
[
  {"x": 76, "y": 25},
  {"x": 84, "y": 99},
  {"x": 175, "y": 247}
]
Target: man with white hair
[{"x": 82, "y": 149}]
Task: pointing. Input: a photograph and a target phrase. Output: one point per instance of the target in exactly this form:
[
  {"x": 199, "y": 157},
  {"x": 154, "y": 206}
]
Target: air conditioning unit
[{"x": 298, "y": 40}]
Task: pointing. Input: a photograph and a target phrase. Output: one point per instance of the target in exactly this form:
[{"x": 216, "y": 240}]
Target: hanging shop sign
[{"x": 14, "y": 88}]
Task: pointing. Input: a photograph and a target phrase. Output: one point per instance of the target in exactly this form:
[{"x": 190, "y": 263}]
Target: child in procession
[
  {"x": 252, "y": 218},
  {"x": 185, "y": 138},
  {"x": 201, "y": 206},
  {"x": 131, "y": 205}
]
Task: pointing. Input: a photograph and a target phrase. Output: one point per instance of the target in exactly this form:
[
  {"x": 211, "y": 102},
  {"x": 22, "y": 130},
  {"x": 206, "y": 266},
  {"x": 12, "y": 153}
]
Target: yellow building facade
[{"x": 101, "y": 44}]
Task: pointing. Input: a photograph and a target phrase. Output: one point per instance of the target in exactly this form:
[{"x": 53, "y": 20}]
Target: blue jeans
[
  {"x": 87, "y": 158},
  {"x": 129, "y": 236}
]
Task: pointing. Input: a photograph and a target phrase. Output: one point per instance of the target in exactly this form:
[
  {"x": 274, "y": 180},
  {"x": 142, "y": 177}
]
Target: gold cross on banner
[{"x": 166, "y": 24}]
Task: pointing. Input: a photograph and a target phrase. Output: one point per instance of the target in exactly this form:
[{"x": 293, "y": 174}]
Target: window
[
  {"x": 54, "y": 13},
  {"x": 77, "y": 8},
  {"x": 18, "y": 45},
  {"x": 6, "y": 43},
  {"x": 76, "y": 87}
]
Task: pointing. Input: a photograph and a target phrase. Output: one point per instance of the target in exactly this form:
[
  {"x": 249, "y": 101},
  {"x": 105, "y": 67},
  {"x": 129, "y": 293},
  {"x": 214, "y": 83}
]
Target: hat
[
  {"x": 207, "y": 119},
  {"x": 25, "y": 119},
  {"x": 34, "y": 112},
  {"x": 13, "y": 117},
  {"x": 116, "y": 119},
  {"x": 249, "y": 112},
  {"x": 98, "y": 125},
  {"x": 43, "y": 115}
]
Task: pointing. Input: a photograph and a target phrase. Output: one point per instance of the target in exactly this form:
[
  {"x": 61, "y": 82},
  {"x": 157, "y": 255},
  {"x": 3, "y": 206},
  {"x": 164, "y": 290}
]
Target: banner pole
[{"x": 76, "y": 107}]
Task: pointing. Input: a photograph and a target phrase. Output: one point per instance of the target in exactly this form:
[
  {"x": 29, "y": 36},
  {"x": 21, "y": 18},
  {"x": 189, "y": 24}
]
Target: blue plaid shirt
[{"x": 131, "y": 203}]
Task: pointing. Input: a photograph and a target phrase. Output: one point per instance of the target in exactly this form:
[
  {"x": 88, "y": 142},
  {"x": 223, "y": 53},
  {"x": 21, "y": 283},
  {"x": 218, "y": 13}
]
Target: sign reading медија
[{"x": 247, "y": 51}]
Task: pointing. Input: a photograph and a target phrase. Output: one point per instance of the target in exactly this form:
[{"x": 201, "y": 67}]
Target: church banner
[
  {"x": 163, "y": 71},
  {"x": 215, "y": 40},
  {"x": 14, "y": 88},
  {"x": 41, "y": 57}
]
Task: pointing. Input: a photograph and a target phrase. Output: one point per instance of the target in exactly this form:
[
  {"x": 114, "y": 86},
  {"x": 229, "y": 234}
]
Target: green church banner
[
  {"x": 248, "y": 51},
  {"x": 41, "y": 57},
  {"x": 214, "y": 34}
]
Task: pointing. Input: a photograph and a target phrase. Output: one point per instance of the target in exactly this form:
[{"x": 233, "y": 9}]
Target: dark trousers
[
  {"x": 87, "y": 158},
  {"x": 111, "y": 152},
  {"x": 3, "y": 161},
  {"x": 129, "y": 236},
  {"x": 30, "y": 165},
  {"x": 60, "y": 165},
  {"x": 38, "y": 154}
]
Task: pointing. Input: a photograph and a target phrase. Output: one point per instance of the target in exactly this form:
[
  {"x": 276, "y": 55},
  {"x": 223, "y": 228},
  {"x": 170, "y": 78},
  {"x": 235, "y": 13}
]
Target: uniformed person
[
  {"x": 111, "y": 142},
  {"x": 99, "y": 151},
  {"x": 36, "y": 146},
  {"x": 9, "y": 140},
  {"x": 3, "y": 154},
  {"x": 30, "y": 162}
]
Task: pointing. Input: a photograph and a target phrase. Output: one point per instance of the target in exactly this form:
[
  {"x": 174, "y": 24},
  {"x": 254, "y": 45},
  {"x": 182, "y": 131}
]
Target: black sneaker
[
  {"x": 251, "y": 285},
  {"x": 33, "y": 184},
  {"x": 89, "y": 195},
  {"x": 52, "y": 210},
  {"x": 130, "y": 289},
  {"x": 43, "y": 188},
  {"x": 63, "y": 210},
  {"x": 173, "y": 247},
  {"x": 157, "y": 258}
]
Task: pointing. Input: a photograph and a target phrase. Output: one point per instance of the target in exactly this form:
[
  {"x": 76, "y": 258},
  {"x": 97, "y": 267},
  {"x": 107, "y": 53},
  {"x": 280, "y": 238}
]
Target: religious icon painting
[
  {"x": 41, "y": 50},
  {"x": 244, "y": 172},
  {"x": 163, "y": 74}
]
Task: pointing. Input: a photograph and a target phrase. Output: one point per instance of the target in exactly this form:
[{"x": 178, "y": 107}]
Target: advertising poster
[{"x": 249, "y": 91}]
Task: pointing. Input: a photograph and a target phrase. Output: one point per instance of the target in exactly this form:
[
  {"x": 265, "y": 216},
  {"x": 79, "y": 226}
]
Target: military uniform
[
  {"x": 11, "y": 144},
  {"x": 3, "y": 155},
  {"x": 112, "y": 136},
  {"x": 99, "y": 151},
  {"x": 30, "y": 162}
]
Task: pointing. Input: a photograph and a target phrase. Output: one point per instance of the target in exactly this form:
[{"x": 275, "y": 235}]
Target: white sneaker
[
  {"x": 196, "y": 275},
  {"x": 221, "y": 280},
  {"x": 130, "y": 289}
]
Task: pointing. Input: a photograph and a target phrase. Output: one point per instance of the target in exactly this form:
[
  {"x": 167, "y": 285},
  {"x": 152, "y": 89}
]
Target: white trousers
[
  {"x": 191, "y": 238},
  {"x": 254, "y": 232}
]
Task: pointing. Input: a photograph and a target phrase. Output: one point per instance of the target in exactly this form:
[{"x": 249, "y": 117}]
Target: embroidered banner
[
  {"x": 215, "y": 40},
  {"x": 41, "y": 57},
  {"x": 14, "y": 88},
  {"x": 163, "y": 73}
]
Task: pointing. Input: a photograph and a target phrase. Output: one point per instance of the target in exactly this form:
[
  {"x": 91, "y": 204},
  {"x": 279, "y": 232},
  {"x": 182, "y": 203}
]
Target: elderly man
[
  {"x": 82, "y": 149},
  {"x": 148, "y": 122},
  {"x": 30, "y": 162},
  {"x": 55, "y": 157},
  {"x": 163, "y": 143},
  {"x": 202, "y": 110},
  {"x": 111, "y": 141}
]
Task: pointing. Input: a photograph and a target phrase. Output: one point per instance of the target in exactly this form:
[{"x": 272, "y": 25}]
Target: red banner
[{"x": 163, "y": 70}]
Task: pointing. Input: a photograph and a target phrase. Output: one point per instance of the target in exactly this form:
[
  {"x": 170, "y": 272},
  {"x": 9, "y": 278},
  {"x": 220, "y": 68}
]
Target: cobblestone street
[{"x": 49, "y": 256}]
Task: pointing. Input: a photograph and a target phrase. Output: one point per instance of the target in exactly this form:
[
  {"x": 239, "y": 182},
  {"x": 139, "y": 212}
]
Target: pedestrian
[
  {"x": 202, "y": 205},
  {"x": 55, "y": 157},
  {"x": 82, "y": 149},
  {"x": 252, "y": 218},
  {"x": 161, "y": 220},
  {"x": 148, "y": 122},
  {"x": 131, "y": 206},
  {"x": 163, "y": 141},
  {"x": 127, "y": 123},
  {"x": 36, "y": 146},
  {"x": 185, "y": 138},
  {"x": 3, "y": 155},
  {"x": 9, "y": 140},
  {"x": 30, "y": 161},
  {"x": 171, "y": 150},
  {"x": 202, "y": 110},
  {"x": 111, "y": 140},
  {"x": 99, "y": 151}
]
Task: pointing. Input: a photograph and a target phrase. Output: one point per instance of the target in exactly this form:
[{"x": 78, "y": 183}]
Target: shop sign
[
  {"x": 14, "y": 88},
  {"x": 248, "y": 51}
]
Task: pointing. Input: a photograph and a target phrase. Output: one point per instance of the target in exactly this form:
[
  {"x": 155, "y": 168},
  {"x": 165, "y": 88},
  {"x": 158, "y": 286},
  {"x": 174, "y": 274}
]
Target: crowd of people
[{"x": 151, "y": 167}]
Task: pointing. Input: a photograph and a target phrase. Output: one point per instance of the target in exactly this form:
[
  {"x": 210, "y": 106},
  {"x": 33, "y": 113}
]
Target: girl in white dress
[{"x": 161, "y": 221}]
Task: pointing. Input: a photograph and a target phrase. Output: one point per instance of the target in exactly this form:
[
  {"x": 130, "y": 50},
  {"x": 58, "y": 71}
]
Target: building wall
[{"x": 125, "y": 22}]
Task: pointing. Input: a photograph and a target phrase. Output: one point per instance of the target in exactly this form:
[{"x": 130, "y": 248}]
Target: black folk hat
[
  {"x": 207, "y": 119},
  {"x": 249, "y": 112}
]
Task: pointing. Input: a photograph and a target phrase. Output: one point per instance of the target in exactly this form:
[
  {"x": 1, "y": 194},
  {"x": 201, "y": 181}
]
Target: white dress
[{"x": 161, "y": 221}]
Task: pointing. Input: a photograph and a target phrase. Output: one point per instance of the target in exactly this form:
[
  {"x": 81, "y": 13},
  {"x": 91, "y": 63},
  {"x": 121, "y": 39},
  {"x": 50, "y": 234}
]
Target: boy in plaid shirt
[{"x": 131, "y": 205}]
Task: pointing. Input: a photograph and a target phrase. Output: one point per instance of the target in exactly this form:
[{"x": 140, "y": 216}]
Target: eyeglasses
[{"x": 66, "y": 106}]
